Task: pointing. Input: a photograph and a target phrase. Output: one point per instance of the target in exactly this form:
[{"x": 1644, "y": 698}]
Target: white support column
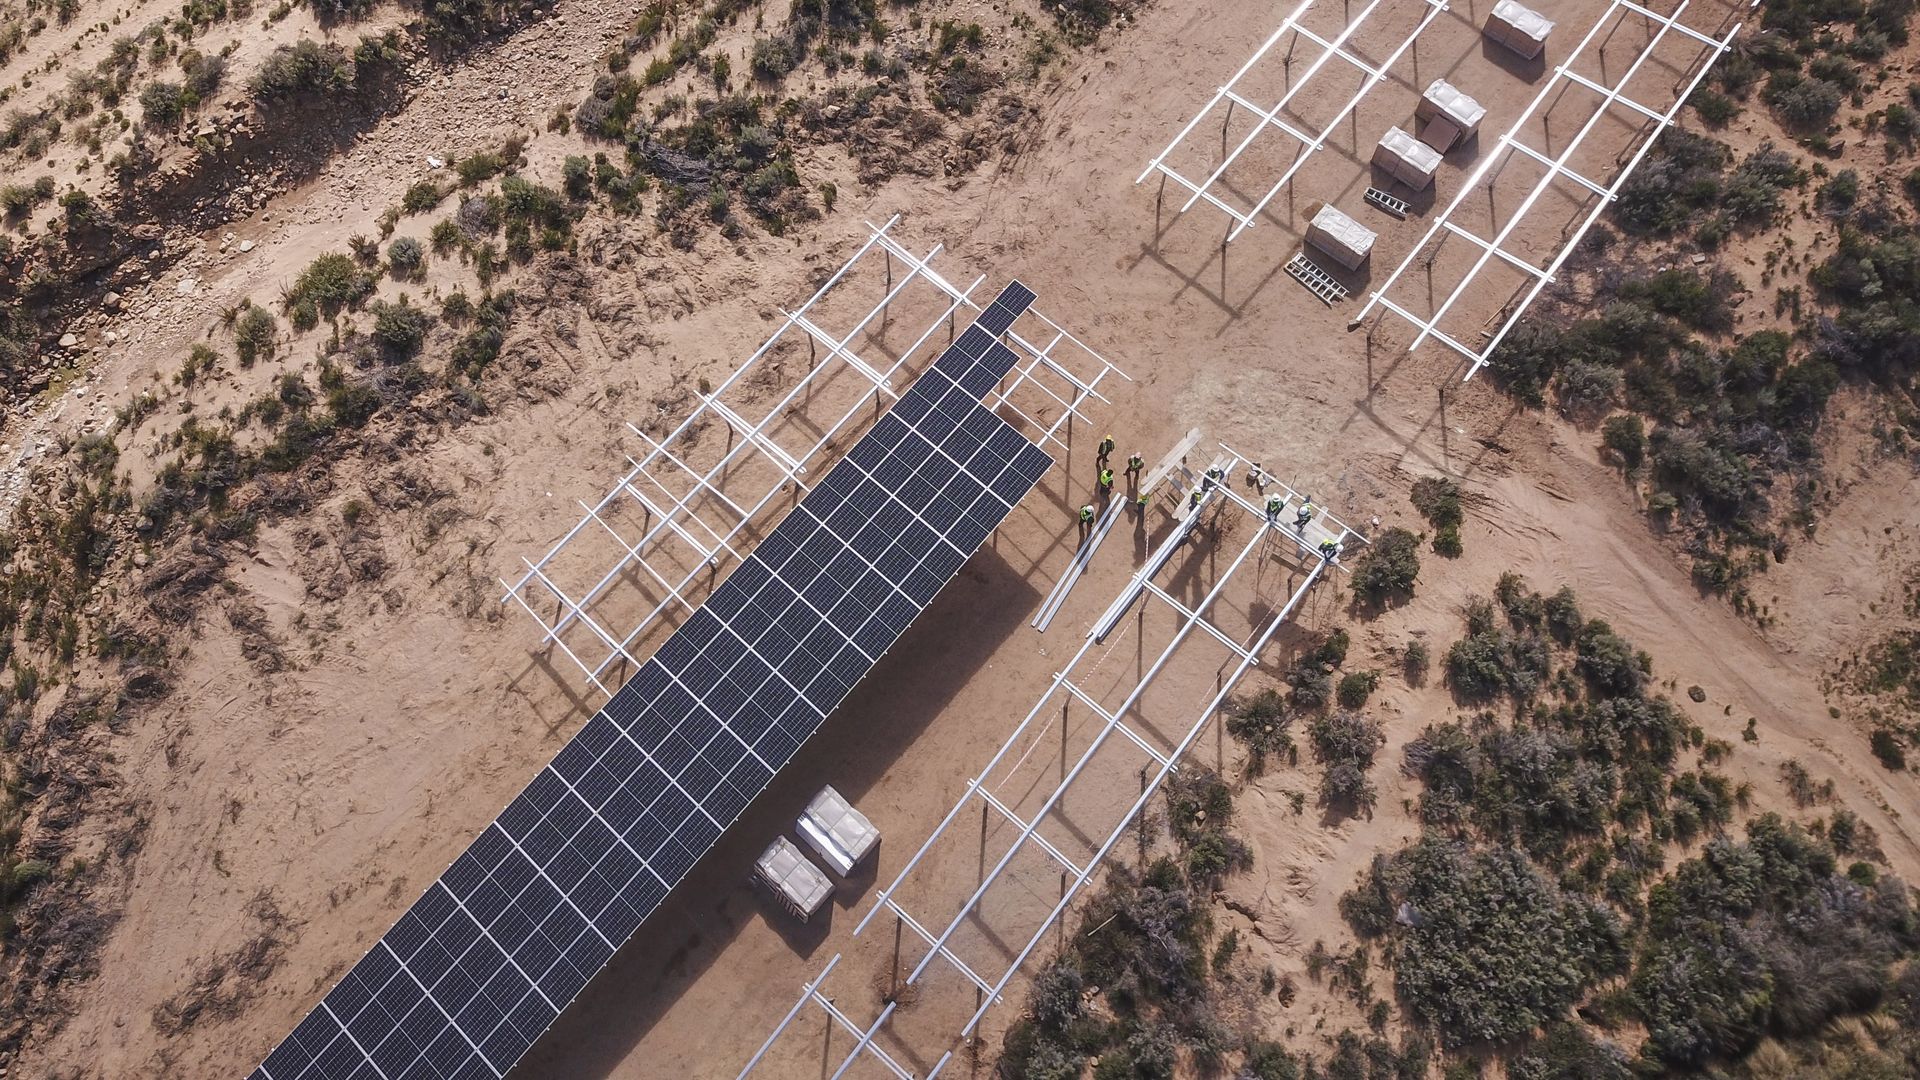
[
  {"x": 1593, "y": 215},
  {"x": 1293, "y": 89},
  {"x": 1557, "y": 167}
]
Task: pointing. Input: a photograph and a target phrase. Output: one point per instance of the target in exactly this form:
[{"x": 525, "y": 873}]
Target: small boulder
[{"x": 69, "y": 340}]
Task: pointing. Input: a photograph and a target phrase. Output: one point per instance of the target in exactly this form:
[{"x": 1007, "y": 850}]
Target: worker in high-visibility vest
[
  {"x": 1106, "y": 449},
  {"x": 1134, "y": 465},
  {"x": 1304, "y": 516},
  {"x": 1274, "y": 505},
  {"x": 1106, "y": 481}
]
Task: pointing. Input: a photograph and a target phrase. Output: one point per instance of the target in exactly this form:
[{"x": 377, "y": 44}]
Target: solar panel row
[{"x": 483, "y": 963}]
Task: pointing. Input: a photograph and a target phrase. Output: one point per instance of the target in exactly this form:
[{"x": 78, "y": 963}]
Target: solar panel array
[{"x": 482, "y": 964}]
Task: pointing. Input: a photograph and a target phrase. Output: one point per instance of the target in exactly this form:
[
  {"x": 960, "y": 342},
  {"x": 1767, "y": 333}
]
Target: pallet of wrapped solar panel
[
  {"x": 1447, "y": 116},
  {"x": 839, "y": 834},
  {"x": 1519, "y": 28},
  {"x": 795, "y": 882},
  {"x": 1406, "y": 159},
  {"x": 1340, "y": 238}
]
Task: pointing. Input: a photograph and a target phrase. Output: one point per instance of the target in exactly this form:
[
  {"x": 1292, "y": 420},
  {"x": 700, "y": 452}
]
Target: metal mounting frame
[
  {"x": 1213, "y": 497},
  {"x": 1229, "y": 94},
  {"x": 1513, "y": 142},
  {"x": 694, "y": 507}
]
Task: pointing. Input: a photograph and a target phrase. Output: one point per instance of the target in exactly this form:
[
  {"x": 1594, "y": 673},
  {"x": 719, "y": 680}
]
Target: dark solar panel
[{"x": 469, "y": 977}]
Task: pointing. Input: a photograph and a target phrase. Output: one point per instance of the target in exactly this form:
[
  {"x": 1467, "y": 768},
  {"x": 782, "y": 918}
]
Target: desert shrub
[
  {"x": 1888, "y": 747},
  {"x": 1585, "y": 388},
  {"x": 1691, "y": 462},
  {"x": 1260, "y": 722},
  {"x": 1438, "y": 500},
  {"x": 1803, "y": 103},
  {"x": 304, "y": 68},
  {"x": 1346, "y": 742},
  {"x": 162, "y": 104},
  {"x": 1567, "y": 1052},
  {"x": 1199, "y": 809},
  {"x": 576, "y": 176},
  {"x": 406, "y": 257},
  {"x": 1716, "y": 109},
  {"x": 1607, "y": 661},
  {"x": 1389, "y": 567},
  {"x": 480, "y": 346},
  {"x": 1837, "y": 196},
  {"x": 399, "y": 328},
  {"x": 1496, "y": 949},
  {"x": 1563, "y": 616},
  {"x": 1355, "y": 687},
  {"x": 772, "y": 58},
  {"x": 1752, "y": 192},
  {"x": 1416, "y": 659},
  {"x": 480, "y": 166},
  {"x": 1680, "y": 177},
  {"x": 253, "y": 332},
  {"x": 1758, "y": 936},
  {"x": 422, "y": 196},
  {"x": 1493, "y": 660},
  {"x": 329, "y": 284}
]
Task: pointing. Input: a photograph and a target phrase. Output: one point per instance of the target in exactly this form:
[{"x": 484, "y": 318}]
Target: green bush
[
  {"x": 576, "y": 176},
  {"x": 1346, "y": 742},
  {"x": 400, "y": 329},
  {"x": 1761, "y": 936},
  {"x": 1260, "y": 723},
  {"x": 406, "y": 257},
  {"x": 1887, "y": 746},
  {"x": 305, "y": 68},
  {"x": 162, "y": 104},
  {"x": 329, "y": 284},
  {"x": 1607, "y": 661},
  {"x": 1716, "y": 110},
  {"x": 1355, "y": 687},
  {"x": 253, "y": 334},
  {"x": 1626, "y": 436},
  {"x": 1389, "y": 567},
  {"x": 422, "y": 196},
  {"x": 1496, "y": 949},
  {"x": 1807, "y": 104}
]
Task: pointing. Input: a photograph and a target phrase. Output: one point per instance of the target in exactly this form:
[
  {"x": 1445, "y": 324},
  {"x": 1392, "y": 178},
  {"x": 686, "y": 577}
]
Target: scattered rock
[
  {"x": 68, "y": 341},
  {"x": 186, "y": 287},
  {"x": 246, "y": 246},
  {"x": 111, "y": 336},
  {"x": 1696, "y": 693},
  {"x": 111, "y": 301}
]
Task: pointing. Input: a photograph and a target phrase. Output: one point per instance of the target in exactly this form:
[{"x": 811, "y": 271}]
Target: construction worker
[
  {"x": 1086, "y": 514},
  {"x": 1193, "y": 500},
  {"x": 1106, "y": 449},
  {"x": 1106, "y": 481},
  {"x": 1134, "y": 465},
  {"x": 1214, "y": 476},
  {"x": 1329, "y": 549},
  {"x": 1255, "y": 476},
  {"x": 1274, "y": 503},
  {"x": 1141, "y": 503},
  {"x": 1304, "y": 516}
]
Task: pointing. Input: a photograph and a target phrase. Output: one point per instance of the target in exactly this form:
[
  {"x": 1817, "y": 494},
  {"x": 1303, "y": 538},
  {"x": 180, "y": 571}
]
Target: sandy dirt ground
[{"x": 340, "y": 785}]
